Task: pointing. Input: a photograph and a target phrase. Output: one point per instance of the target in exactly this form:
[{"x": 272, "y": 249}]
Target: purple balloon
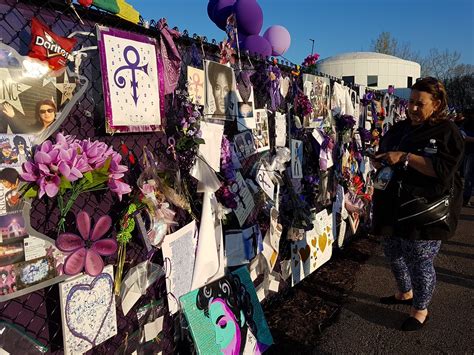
[
  {"x": 222, "y": 10},
  {"x": 249, "y": 16},
  {"x": 256, "y": 44},
  {"x": 210, "y": 9},
  {"x": 279, "y": 38}
]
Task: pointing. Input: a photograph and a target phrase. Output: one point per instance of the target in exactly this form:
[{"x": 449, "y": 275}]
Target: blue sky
[{"x": 339, "y": 26}]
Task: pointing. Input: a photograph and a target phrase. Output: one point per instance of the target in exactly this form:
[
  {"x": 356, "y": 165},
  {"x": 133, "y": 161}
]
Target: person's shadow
[{"x": 366, "y": 306}]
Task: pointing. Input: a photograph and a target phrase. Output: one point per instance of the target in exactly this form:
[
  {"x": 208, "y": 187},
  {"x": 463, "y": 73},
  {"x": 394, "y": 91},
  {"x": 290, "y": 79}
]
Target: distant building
[{"x": 374, "y": 70}]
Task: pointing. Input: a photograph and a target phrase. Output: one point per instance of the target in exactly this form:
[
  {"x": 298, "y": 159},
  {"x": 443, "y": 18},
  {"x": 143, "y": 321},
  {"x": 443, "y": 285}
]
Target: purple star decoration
[{"x": 86, "y": 250}]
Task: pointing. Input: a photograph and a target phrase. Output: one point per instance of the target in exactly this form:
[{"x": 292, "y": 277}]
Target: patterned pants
[{"x": 411, "y": 262}]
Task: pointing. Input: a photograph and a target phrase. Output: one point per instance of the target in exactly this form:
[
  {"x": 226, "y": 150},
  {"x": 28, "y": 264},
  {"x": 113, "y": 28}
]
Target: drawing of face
[
  {"x": 221, "y": 89},
  {"x": 226, "y": 327},
  {"x": 7, "y": 150}
]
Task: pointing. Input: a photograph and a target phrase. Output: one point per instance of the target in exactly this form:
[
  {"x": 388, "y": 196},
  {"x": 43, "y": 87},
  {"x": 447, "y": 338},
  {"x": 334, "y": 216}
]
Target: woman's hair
[
  {"x": 48, "y": 102},
  {"x": 436, "y": 88},
  {"x": 231, "y": 290},
  {"x": 214, "y": 68}
]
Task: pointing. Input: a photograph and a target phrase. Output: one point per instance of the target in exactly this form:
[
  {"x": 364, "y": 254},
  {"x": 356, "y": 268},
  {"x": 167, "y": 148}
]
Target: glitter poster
[
  {"x": 131, "y": 81},
  {"x": 88, "y": 311}
]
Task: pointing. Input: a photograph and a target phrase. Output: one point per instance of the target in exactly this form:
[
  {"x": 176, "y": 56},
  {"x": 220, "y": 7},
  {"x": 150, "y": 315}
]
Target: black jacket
[{"x": 413, "y": 139}]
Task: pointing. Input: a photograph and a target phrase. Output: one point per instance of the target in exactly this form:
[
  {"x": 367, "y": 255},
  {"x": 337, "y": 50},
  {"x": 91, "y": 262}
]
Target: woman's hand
[
  {"x": 392, "y": 158},
  {"x": 7, "y": 110}
]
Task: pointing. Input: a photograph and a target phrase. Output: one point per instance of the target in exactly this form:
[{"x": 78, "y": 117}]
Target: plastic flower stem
[
  {"x": 122, "y": 252},
  {"x": 77, "y": 189}
]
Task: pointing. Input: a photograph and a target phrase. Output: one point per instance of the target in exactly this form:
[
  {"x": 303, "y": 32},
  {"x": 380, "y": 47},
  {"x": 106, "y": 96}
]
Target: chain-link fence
[{"x": 38, "y": 313}]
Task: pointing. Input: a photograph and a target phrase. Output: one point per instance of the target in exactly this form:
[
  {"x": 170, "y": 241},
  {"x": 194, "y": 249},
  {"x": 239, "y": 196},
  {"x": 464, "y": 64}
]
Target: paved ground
[{"x": 364, "y": 326}]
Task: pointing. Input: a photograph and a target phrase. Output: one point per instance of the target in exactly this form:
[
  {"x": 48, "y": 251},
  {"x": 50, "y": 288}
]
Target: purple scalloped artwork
[{"x": 88, "y": 311}]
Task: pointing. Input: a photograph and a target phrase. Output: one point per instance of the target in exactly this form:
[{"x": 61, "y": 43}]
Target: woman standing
[{"x": 423, "y": 154}]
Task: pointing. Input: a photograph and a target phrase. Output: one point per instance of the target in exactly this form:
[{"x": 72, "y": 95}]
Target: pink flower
[
  {"x": 86, "y": 250},
  {"x": 119, "y": 187}
]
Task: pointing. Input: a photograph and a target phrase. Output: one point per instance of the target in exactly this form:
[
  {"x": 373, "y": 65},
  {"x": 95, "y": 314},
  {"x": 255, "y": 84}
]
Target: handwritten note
[{"x": 178, "y": 251}]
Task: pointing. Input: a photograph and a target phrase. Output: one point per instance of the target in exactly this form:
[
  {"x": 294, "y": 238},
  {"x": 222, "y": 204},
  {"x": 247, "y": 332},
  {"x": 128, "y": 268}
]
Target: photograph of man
[{"x": 221, "y": 98}]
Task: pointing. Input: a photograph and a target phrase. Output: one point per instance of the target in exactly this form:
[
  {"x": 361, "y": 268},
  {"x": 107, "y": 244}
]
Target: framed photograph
[
  {"x": 131, "y": 74},
  {"x": 261, "y": 135},
  {"x": 318, "y": 89},
  {"x": 244, "y": 144},
  {"x": 221, "y": 92}
]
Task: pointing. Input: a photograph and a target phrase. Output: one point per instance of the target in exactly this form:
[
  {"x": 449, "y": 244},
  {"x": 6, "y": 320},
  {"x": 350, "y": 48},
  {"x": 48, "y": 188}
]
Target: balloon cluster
[{"x": 248, "y": 13}]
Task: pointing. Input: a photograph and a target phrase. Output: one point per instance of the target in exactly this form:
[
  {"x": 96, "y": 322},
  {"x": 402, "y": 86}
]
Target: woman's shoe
[
  {"x": 393, "y": 300},
  {"x": 411, "y": 324}
]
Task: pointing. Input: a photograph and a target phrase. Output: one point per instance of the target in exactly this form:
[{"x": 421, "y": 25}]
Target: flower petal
[
  {"x": 74, "y": 263},
  {"x": 42, "y": 157},
  {"x": 94, "y": 263},
  {"x": 105, "y": 247},
  {"x": 83, "y": 224},
  {"x": 69, "y": 242},
  {"x": 101, "y": 227},
  {"x": 51, "y": 189}
]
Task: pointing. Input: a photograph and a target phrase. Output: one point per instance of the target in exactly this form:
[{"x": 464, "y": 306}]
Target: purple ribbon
[
  {"x": 170, "y": 56},
  {"x": 274, "y": 88}
]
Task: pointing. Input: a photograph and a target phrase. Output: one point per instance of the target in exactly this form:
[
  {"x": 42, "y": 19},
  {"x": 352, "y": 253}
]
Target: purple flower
[
  {"x": 86, "y": 250},
  {"x": 119, "y": 187}
]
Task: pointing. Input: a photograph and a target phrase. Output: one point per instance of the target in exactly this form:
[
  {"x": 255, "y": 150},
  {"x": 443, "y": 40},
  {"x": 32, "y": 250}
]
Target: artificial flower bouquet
[{"x": 69, "y": 167}]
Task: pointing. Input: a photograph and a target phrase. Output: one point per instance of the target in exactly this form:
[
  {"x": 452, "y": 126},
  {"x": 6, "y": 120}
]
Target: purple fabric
[
  {"x": 274, "y": 87},
  {"x": 170, "y": 56}
]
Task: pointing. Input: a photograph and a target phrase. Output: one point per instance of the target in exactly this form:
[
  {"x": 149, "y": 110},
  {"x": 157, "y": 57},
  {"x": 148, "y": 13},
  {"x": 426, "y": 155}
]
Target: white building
[{"x": 374, "y": 70}]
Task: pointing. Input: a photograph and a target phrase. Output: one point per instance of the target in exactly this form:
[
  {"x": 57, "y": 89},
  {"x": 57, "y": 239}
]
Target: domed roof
[{"x": 361, "y": 55}]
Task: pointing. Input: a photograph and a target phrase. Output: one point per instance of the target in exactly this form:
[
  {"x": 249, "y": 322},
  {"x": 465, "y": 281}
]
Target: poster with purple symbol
[
  {"x": 88, "y": 311},
  {"x": 196, "y": 85},
  {"x": 131, "y": 81}
]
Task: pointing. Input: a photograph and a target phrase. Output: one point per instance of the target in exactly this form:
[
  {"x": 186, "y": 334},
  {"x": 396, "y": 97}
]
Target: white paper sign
[
  {"x": 280, "y": 129},
  {"x": 210, "y": 150},
  {"x": 243, "y": 197},
  {"x": 154, "y": 328},
  {"x": 178, "y": 251},
  {"x": 265, "y": 182}
]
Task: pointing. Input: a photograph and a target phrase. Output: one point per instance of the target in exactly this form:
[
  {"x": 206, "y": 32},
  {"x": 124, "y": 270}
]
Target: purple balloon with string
[
  {"x": 279, "y": 38},
  {"x": 249, "y": 16}
]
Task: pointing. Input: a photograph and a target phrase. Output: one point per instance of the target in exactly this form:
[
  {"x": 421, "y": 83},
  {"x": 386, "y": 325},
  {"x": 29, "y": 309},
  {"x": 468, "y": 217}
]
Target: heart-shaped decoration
[
  {"x": 284, "y": 86},
  {"x": 322, "y": 241},
  {"x": 313, "y": 242},
  {"x": 88, "y": 307},
  {"x": 304, "y": 253}
]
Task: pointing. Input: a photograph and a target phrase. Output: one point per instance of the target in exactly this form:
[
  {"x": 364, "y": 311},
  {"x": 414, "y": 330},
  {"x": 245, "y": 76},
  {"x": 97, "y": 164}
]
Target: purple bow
[
  {"x": 170, "y": 56},
  {"x": 274, "y": 87}
]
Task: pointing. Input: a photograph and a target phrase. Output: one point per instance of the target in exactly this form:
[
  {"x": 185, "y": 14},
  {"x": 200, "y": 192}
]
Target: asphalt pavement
[{"x": 364, "y": 326}]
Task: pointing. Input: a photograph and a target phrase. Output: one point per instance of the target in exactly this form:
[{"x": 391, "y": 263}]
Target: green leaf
[
  {"x": 32, "y": 192},
  {"x": 199, "y": 141},
  {"x": 65, "y": 183},
  {"x": 88, "y": 176}
]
